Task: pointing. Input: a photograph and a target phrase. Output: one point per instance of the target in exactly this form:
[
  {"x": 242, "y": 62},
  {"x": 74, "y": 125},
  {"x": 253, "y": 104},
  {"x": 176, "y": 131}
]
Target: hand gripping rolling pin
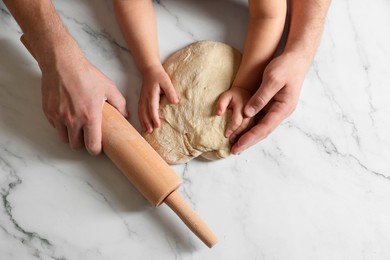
[{"x": 145, "y": 169}]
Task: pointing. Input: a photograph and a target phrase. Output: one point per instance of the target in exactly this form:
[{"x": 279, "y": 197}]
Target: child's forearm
[
  {"x": 138, "y": 24},
  {"x": 265, "y": 28}
]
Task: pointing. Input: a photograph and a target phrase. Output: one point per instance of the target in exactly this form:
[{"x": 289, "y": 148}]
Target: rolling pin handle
[{"x": 191, "y": 219}]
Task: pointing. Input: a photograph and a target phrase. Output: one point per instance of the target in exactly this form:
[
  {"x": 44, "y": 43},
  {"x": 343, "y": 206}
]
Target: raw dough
[{"x": 200, "y": 72}]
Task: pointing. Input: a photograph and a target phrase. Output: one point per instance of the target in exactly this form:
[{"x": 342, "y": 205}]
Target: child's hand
[
  {"x": 155, "y": 83},
  {"x": 235, "y": 98}
]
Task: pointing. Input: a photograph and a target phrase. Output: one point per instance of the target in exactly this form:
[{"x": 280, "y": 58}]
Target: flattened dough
[{"x": 200, "y": 72}]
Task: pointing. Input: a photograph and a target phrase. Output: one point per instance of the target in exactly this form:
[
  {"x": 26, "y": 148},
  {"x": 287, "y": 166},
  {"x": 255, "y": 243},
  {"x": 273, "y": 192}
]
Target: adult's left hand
[{"x": 275, "y": 99}]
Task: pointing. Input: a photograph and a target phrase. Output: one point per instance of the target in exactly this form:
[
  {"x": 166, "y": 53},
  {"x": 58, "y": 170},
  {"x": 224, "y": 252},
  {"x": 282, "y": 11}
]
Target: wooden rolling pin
[{"x": 145, "y": 169}]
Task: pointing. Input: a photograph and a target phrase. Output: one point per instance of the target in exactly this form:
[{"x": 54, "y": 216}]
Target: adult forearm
[
  {"x": 43, "y": 29},
  {"x": 138, "y": 24},
  {"x": 307, "y": 21}
]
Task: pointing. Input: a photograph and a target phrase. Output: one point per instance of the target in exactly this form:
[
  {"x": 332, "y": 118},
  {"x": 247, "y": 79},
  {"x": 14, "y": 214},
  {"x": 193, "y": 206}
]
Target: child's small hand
[
  {"x": 235, "y": 98},
  {"x": 156, "y": 82}
]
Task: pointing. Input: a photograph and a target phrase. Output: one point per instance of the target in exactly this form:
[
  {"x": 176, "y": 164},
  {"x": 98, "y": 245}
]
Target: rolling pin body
[{"x": 137, "y": 160}]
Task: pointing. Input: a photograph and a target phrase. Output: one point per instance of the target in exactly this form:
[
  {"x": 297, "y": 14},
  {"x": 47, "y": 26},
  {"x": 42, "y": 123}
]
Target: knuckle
[
  {"x": 67, "y": 118},
  {"x": 233, "y": 126},
  {"x": 235, "y": 123},
  {"x": 224, "y": 97},
  {"x": 86, "y": 116},
  {"x": 258, "y": 101},
  {"x": 273, "y": 78}
]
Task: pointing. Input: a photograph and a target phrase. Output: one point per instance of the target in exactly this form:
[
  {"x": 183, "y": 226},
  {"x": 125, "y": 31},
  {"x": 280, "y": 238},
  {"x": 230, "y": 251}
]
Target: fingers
[
  {"x": 267, "y": 90},
  {"x": 149, "y": 103},
  {"x": 245, "y": 123},
  {"x": 274, "y": 116},
  {"x": 93, "y": 135},
  {"x": 76, "y": 140},
  {"x": 115, "y": 98},
  {"x": 79, "y": 136},
  {"x": 223, "y": 103},
  {"x": 79, "y": 127},
  {"x": 143, "y": 116},
  {"x": 234, "y": 99},
  {"x": 148, "y": 109},
  {"x": 235, "y": 121},
  {"x": 154, "y": 103},
  {"x": 155, "y": 83},
  {"x": 225, "y": 100},
  {"x": 169, "y": 91},
  {"x": 61, "y": 129}
]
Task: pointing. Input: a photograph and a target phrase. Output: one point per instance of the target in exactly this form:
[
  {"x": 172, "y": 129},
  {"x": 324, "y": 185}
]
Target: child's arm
[
  {"x": 138, "y": 24},
  {"x": 266, "y": 23}
]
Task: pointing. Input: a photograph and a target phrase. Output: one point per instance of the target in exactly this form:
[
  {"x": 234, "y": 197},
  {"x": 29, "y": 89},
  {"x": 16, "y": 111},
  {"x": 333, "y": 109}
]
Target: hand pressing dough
[{"x": 200, "y": 72}]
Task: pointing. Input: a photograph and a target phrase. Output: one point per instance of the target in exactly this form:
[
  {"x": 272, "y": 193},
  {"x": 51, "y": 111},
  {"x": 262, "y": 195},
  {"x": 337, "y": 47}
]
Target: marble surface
[{"x": 317, "y": 188}]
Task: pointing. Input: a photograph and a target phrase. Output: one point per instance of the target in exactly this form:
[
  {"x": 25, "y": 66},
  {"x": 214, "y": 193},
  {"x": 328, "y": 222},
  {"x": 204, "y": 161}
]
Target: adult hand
[
  {"x": 275, "y": 99},
  {"x": 73, "y": 93}
]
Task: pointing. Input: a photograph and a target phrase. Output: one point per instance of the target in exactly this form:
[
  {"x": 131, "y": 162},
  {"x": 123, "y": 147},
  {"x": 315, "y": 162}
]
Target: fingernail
[
  {"x": 228, "y": 133},
  {"x": 235, "y": 153},
  {"x": 236, "y": 150},
  {"x": 250, "y": 111}
]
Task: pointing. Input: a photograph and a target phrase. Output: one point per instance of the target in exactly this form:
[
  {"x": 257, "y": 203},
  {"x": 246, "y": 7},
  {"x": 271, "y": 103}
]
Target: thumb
[
  {"x": 263, "y": 95},
  {"x": 115, "y": 98}
]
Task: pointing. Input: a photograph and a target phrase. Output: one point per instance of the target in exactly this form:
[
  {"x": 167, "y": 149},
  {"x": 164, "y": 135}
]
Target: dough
[{"x": 200, "y": 72}]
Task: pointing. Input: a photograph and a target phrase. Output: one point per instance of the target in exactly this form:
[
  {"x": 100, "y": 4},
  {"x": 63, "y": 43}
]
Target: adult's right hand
[
  {"x": 276, "y": 97},
  {"x": 73, "y": 94}
]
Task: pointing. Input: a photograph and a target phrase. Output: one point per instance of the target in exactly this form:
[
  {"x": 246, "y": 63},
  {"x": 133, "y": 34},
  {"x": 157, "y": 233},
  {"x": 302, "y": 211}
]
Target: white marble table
[{"x": 317, "y": 188}]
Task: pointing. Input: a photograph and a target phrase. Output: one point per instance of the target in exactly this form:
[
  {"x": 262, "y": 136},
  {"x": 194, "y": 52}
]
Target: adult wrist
[
  {"x": 53, "y": 47},
  {"x": 302, "y": 55}
]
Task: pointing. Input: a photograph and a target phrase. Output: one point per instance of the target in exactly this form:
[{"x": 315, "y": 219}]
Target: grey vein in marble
[
  {"x": 330, "y": 148},
  {"x": 361, "y": 52},
  {"x": 93, "y": 34},
  {"x": 331, "y": 96},
  {"x": 179, "y": 25},
  {"x": 37, "y": 244}
]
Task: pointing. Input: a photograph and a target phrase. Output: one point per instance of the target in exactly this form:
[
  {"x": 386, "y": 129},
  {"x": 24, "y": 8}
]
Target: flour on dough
[{"x": 200, "y": 72}]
